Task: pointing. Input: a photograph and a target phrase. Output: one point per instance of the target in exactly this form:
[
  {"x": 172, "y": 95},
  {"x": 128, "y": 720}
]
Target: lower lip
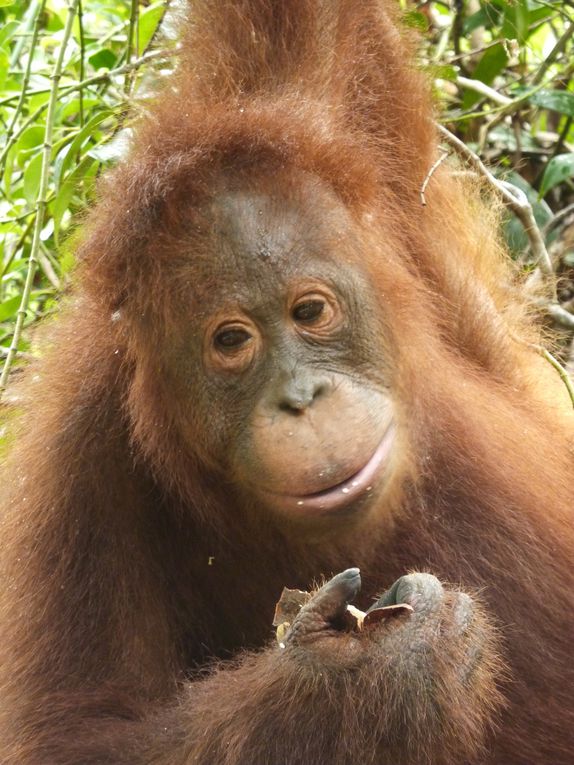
[{"x": 338, "y": 497}]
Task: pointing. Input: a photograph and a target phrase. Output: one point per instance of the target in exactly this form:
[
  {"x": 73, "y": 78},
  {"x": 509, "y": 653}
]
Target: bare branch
[
  {"x": 439, "y": 162},
  {"x": 516, "y": 200}
]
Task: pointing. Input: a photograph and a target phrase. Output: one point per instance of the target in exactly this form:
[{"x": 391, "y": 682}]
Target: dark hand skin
[{"x": 321, "y": 629}]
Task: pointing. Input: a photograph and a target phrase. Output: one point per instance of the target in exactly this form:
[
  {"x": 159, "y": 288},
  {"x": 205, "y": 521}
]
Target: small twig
[
  {"x": 554, "y": 53},
  {"x": 42, "y": 195},
  {"x": 97, "y": 78},
  {"x": 29, "y": 21},
  {"x": 67, "y": 89},
  {"x": 474, "y": 52},
  {"x": 82, "y": 59},
  {"x": 564, "y": 376},
  {"x": 28, "y": 70},
  {"x": 558, "y": 218},
  {"x": 484, "y": 90},
  {"x": 556, "y": 8},
  {"x": 22, "y": 238},
  {"x": 430, "y": 173},
  {"x": 26, "y": 78},
  {"x": 132, "y": 36},
  {"x": 47, "y": 268},
  {"x": 560, "y": 315},
  {"x": 517, "y": 130},
  {"x": 499, "y": 112},
  {"x": 560, "y": 143},
  {"x": 18, "y": 218},
  {"x": 516, "y": 200}
]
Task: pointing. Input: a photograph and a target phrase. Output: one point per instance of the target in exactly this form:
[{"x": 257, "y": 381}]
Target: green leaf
[
  {"x": 443, "y": 72},
  {"x": 148, "y": 23},
  {"x": 66, "y": 192},
  {"x": 539, "y": 14},
  {"x": 416, "y": 20},
  {"x": 7, "y": 31},
  {"x": 5, "y": 3},
  {"x": 492, "y": 63},
  {"x": 72, "y": 108},
  {"x": 522, "y": 17},
  {"x": 557, "y": 100},
  {"x": 87, "y": 132},
  {"x": 103, "y": 59},
  {"x": 31, "y": 138},
  {"x": 4, "y": 67},
  {"x": 557, "y": 170},
  {"x": 9, "y": 308},
  {"x": 479, "y": 19},
  {"x": 32, "y": 178}
]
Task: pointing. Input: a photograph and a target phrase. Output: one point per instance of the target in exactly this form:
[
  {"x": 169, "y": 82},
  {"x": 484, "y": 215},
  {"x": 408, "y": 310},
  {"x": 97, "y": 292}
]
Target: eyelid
[
  {"x": 329, "y": 317},
  {"x": 234, "y": 358},
  {"x": 310, "y": 301},
  {"x": 231, "y": 329}
]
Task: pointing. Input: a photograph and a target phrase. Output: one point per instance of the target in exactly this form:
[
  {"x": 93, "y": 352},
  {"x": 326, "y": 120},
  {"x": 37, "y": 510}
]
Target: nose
[{"x": 297, "y": 391}]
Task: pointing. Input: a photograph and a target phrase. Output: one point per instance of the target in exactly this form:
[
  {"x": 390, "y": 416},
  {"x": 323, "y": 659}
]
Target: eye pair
[{"x": 308, "y": 312}]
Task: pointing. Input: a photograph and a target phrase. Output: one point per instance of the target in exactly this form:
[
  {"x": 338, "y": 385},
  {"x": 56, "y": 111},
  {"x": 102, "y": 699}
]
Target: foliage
[
  {"x": 50, "y": 157},
  {"x": 68, "y": 70}
]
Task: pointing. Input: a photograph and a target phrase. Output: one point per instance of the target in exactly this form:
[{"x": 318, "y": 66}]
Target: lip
[{"x": 342, "y": 494}]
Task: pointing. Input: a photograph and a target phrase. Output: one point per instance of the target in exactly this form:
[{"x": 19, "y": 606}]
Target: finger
[
  {"x": 332, "y": 599},
  {"x": 423, "y": 592}
]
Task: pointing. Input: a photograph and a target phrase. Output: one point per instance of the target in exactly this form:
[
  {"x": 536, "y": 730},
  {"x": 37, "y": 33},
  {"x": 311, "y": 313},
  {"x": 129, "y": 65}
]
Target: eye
[
  {"x": 231, "y": 338},
  {"x": 316, "y": 313},
  {"x": 308, "y": 311}
]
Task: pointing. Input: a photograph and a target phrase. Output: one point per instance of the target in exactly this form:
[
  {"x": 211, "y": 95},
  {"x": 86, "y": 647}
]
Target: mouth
[{"x": 341, "y": 495}]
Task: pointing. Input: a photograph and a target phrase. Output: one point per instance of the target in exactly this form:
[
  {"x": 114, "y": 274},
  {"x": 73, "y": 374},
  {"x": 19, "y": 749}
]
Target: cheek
[{"x": 214, "y": 416}]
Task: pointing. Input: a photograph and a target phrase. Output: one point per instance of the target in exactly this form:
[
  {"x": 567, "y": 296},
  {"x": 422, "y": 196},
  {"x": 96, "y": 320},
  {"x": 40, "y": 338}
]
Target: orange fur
[{"x": 109, "y": 517}]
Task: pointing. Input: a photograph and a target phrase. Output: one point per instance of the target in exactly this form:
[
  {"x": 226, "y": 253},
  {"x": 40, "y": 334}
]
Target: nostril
[
  {"x": 320, "y": 391},
  {"x": 292, "y": 407},
  {"x": 295, "y": 396}
]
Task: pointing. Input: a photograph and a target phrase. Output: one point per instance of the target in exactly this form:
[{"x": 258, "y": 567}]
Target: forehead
[{"x": 261, "y": 238}]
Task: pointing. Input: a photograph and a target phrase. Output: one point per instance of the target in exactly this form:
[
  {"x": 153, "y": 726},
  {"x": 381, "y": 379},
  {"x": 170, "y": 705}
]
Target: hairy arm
[{"x": 420, "y": 689}]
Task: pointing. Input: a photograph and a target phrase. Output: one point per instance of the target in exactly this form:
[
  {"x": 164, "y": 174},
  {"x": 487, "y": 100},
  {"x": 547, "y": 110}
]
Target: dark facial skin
[{"x": 290, "y": 349}]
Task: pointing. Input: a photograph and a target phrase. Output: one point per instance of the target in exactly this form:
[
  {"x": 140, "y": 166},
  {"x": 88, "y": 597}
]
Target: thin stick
[
  {"x": 554, "y": 53},
  {"x": 82, "y": 59},
  {"x": 67, "y": 89},
  {"x": 484, "y": 90},
  {"x": 516, "y": 200},
  {"x": 26, "y": 78},
  {"x": 133, "y": 34},
  {"x": 430, "y": 173},
  {"x": 558, "y": 218},
  {"x": 95, "y": 79},
  {"x": 564, "y": 376},
  {"x": 42, "y": 196}
]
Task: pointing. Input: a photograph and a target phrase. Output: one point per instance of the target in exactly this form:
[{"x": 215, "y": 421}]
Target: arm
[{"x": 418, "y": 689}]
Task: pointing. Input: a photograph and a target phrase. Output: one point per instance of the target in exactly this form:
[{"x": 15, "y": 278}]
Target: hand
[
  {"x": 321, "y": 627},
  {"x": 441, "y": 621}
]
